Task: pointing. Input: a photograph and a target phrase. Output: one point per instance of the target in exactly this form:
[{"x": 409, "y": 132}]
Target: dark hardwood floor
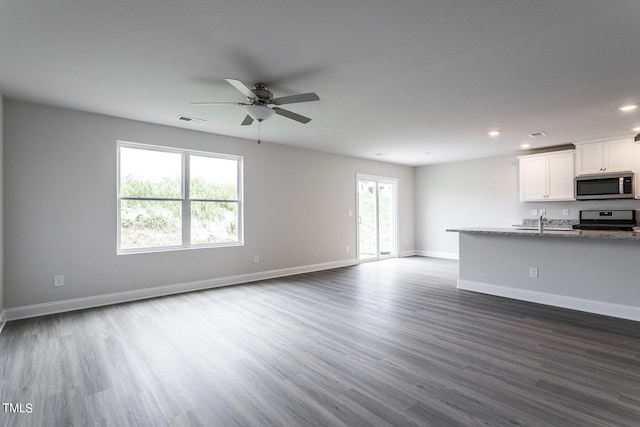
[{"x": 378, "y": 344}]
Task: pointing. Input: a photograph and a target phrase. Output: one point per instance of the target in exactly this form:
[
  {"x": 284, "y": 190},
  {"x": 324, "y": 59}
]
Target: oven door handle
[{"x": 621, "y": 185}]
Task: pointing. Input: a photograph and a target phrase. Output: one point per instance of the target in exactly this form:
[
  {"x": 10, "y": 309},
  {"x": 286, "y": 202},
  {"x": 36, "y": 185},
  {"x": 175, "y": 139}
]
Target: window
[{"x": 171, "y": 199}]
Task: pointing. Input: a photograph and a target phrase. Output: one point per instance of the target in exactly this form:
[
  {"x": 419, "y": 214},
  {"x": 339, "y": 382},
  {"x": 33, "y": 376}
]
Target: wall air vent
[
  {"x": 537, "y": 134},
  {"x": 191, "y": 119}
]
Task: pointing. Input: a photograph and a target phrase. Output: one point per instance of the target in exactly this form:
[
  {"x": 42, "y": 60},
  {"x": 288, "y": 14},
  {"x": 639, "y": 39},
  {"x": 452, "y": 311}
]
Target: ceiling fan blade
[
  {"x": 303, "y": 97},
  {"x": 291, "y": 115},
  {"x": 207, "y": 104},
  {"x": 242, "y": 88},
  {"x": 247, "y": 121}
]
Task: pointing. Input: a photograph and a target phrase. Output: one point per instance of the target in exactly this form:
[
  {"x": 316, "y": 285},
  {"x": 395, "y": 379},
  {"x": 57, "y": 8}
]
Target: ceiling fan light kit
[{"x": 259, "y": 112}]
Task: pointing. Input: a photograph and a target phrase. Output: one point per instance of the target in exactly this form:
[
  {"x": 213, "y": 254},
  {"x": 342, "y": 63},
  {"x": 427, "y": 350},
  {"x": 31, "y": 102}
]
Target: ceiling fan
[{"x": 259, "y": 100}]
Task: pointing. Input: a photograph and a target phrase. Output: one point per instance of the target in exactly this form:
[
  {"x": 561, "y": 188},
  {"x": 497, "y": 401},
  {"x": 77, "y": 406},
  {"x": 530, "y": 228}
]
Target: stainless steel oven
[{"x": 620, "y": 219}]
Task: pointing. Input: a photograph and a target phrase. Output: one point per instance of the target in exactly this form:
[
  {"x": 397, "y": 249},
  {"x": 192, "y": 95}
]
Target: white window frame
[{"x": 185, "y": 200}]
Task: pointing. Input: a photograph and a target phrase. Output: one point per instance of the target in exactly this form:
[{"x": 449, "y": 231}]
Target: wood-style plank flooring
[{"x": 378, "y": 344}]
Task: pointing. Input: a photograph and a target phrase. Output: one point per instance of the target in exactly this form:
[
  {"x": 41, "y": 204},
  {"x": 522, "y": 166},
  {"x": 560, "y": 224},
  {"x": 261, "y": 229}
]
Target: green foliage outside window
[{"x": 158, "y": 223}]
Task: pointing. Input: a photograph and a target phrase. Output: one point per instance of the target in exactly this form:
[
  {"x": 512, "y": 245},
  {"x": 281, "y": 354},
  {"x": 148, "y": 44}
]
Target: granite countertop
[{"x": 550, "y": 232}]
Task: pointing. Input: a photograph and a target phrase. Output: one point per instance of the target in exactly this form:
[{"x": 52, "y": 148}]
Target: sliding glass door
[{"x": 377, "y": 217}]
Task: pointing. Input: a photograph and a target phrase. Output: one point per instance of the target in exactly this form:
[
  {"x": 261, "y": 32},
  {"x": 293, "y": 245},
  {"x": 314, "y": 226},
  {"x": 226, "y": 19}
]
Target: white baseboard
[
  {"x": 432, "y": 254},
  {"x": 54, "y": 307},
  {"x": 590, "y": 306},
  {"x": 406, "y": 254}
]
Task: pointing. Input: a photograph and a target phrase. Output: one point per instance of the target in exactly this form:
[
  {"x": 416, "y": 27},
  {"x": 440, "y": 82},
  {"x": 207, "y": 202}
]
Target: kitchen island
[{"x": 592, "y": 271}]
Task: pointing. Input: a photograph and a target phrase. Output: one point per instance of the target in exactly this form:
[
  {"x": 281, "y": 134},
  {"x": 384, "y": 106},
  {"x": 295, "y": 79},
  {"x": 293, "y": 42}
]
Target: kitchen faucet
[{"x": 541, "y": 222}]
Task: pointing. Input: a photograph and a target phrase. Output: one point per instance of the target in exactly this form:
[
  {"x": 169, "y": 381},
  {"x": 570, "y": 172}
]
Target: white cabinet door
[
  {"x": 560, "y": 183},
  {"x": 533, "y": 178},
  {"x": 546, "y": 177},
  {"x": 618, "y": 155},
  {"x": 589, "y": 158}
]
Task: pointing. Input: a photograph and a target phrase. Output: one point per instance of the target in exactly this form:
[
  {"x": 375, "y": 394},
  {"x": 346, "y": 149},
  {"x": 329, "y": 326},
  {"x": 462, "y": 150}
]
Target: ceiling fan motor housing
[{"x": 261, "y": 91}]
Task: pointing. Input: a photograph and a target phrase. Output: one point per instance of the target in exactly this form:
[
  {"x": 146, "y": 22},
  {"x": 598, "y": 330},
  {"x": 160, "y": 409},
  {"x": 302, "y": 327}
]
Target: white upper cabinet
[
  {"x": 533, "y": 172},
  {"x": 547, "y": 176},
  {"x": 606, "y": 156},
  {"x": 560, "y": 183}
]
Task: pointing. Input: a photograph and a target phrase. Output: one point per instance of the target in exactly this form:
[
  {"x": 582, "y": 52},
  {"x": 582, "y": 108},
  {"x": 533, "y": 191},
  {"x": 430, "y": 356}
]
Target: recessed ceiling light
[
  {"x": 630, "y": 107},
  {"x": 525, "y": 145},
  {"x": 636, "y": 129},
  {"x": 493, "y": 133}
]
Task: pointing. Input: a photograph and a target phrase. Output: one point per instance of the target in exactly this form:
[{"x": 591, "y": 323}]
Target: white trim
[
  {"x": 612, "y": 138},
  {"x": 54, "y": 307},
  {"x": 406, "y": 253},
  {"x": 432, "y": 254},
  {"x": 3, "y": 320},
  {"x": 590, "y": 306}
]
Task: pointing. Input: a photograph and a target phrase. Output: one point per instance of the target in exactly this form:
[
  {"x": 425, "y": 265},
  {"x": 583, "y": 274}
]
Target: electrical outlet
[
  {"x": 256, "y": 259},
  {"x": 346, "y": 249},
  {"x": 533, "y": 272},
  {"x": 534, "y": 212},
  {"x": 566, "y": 212},
  {"x": 542, "y": 211},
  {"x": 58, "y": 281}
]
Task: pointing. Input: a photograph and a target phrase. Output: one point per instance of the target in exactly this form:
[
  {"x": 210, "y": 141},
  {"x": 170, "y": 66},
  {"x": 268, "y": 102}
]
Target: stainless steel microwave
[{"x": 601, "y": 186}]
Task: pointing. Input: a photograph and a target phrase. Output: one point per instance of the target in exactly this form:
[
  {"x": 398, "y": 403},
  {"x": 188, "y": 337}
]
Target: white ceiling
[{"x": 396, "y": 79}]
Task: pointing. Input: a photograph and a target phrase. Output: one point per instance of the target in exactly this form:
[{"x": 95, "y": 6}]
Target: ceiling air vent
[
  {"x": 191, "y": 119},
  {"x": 537, "y": 134}
]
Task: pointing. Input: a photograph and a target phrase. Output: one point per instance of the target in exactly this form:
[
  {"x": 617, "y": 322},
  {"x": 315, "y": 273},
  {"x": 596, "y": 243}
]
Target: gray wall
[
  {"x": 479, "y": 193},
  {"x": 471, "y": 193},
  {"x": 60, "y": 207},
  {"x": 1, "y": 211}
]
